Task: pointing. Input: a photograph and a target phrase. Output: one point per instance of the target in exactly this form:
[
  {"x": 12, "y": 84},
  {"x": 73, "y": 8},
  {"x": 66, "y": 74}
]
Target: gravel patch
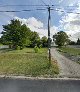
[
  {"x": 67, "y": 67},
  {"x": 75, "y": 58}
]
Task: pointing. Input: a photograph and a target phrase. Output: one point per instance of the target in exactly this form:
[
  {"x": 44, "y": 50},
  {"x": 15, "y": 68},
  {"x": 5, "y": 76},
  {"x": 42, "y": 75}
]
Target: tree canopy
[
  {"x": 78, "y": 41},
  {"x": 35, "y": 39},
  {"x": 15, "y": 34},
  {"x": 44, "y": 41},
  {"x": 61, "y": 38}
]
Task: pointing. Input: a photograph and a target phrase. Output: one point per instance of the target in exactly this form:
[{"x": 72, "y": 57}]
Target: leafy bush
[{"x": 36, "y": 49}]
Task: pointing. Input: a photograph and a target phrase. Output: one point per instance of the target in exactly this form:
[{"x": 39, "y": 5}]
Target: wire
[
  {"x": 20, "y": 5},
  {"x": 26, "y": 10},
  {"x": 52, "y": 8},
  {"x": 63, "y": 6},
  {"x": 65, "y": 11},
  {"x": 9, "y": 11},
  {"x": 44, "y": 3},
  {"x": 50, "y": 2}
]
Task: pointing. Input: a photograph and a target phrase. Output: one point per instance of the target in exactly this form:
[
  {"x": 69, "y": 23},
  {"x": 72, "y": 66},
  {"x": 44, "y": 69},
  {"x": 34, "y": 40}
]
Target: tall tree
[
  {"x": 15, "y": 34},
  {"x": 61, "y": 38},
  {"x": 35, "y": 39},
  {"x": 78, "y": 41},
  {"x": 44, "y": 41}
]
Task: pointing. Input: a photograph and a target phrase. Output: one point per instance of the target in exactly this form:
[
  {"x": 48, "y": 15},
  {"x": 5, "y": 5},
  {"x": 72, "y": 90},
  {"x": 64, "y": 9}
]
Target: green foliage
[
  {"x": 44, "y": 41},
  {"x": 72, "y": 43},
  {"x": 36, "y": 49},
  {"x": 78, "y": 41},
  {"x": 61, "y": 38},
  {"x": 40, "y": 46},
  {"x": 15, "y": 34},
  {"x": 70, "y": 50},
  {"x": 18, "y": 35},
  {"x": 35, "y": 39}
]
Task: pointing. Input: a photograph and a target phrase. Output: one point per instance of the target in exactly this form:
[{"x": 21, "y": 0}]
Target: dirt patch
[{"x": 75, "y": 58}]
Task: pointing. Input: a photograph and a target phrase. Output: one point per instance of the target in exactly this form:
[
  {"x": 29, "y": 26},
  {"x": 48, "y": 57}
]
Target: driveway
[
  {"x": 67, "y": 67},
  {"x": 22, "y": 85}
]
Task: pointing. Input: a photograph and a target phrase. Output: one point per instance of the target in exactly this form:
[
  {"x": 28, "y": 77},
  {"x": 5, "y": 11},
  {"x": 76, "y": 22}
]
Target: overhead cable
[{"x": 44, "y": 3}]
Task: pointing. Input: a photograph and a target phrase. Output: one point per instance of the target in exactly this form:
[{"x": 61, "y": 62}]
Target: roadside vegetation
[
  {"x": 61, "y": 38},
  {"x": 19, "y": 60},
  {"x": 70, "y": 50},
  {"x": 71, "y": 53},
  {"x": 18, "y": 36},
  {"x": 26, "y": 62},
  {"x": 1, "y": 44}
]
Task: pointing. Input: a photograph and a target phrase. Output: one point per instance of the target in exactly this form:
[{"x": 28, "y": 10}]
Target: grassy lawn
[
  {"x": 26, "y": 62},
  {"x": 1, "y": 44},
  {"x": 70, "y": 50}
]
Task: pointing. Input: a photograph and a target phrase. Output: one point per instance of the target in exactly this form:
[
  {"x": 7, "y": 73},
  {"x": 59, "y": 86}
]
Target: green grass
[
  {"x": 1, "y": 44},
  {"x": 26, "y": 62},
  {"x": 70, "y": 50}
]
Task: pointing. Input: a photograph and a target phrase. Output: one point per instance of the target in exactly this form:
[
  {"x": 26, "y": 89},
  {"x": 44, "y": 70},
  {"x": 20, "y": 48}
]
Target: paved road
[
  {"x": 17, "y": 85},
  {"x": 67, "y": 67}
]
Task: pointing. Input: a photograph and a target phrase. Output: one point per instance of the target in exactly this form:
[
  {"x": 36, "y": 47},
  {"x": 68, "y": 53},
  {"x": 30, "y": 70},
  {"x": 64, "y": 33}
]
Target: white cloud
[
  {"x": 53, "y": 30},
  {"x": 71, "y": 24},
  {"x": 38, "y": 26},
  {"x": 31, "y": 21},
  {"x": 60, "y": 1}
]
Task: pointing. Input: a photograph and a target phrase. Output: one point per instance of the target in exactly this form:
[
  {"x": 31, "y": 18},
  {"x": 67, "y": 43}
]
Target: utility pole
[{"x": 49, "y": 40}]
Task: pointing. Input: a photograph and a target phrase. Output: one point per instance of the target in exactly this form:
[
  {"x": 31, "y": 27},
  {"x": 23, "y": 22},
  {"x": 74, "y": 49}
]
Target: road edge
[{"x": 36, "y": 78}]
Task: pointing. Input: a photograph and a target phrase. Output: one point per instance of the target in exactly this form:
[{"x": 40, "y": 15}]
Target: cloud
[
  {"x": 70, "y": 23},
  {"x": 31, "y": 21},
  {"x": 36, "y": 25},
  {"x": 60, "y": 1},
  {"x": 75, "y": 22}
]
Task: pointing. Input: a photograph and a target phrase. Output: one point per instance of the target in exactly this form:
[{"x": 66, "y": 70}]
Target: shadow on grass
[{"x": 4, "y": 50}]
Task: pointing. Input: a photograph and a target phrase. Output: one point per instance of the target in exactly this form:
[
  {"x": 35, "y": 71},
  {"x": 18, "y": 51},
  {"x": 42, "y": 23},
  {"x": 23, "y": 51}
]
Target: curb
[{"x": 36, "y": 78}]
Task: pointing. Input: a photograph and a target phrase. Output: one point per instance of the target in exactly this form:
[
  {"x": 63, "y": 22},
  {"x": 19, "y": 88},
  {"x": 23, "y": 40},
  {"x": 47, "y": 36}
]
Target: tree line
[
  {"x": 75, "y": 43},
  {"x": 61, "y": 39},
  {"x": 18, "y": 35}
]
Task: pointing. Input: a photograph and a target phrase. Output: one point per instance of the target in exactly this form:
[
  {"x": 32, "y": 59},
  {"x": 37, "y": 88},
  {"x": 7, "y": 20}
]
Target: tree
[
  {"x": 15, "y": 34},
  {"x": 35, "y": 39},
  {"x": 78, "y": 41},
  {"x": 0, "y": 41},
  {"x": 72, "y": 43},
  {"x": 44, "y": 41},
  {"x": 61, "y": 38}
]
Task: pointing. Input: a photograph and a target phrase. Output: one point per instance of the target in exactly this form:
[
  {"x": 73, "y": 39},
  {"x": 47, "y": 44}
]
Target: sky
[{"x": 36, "y": 20}]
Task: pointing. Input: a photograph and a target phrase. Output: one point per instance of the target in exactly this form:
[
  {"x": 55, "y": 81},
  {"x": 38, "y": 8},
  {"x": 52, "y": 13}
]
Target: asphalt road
[{"x": 22, "y": 85}]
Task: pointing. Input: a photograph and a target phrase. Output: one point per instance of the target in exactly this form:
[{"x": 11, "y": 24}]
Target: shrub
[{"x": 36, "y": 49}]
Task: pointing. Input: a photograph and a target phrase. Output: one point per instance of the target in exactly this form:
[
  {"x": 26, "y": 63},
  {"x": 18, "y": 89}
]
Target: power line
[
  {"x": 50, "y": 2},
  {"x": 44, "y": 3},
  {"x": 66, "y": 11},
  {"x": 41, "y": 5},
  {"x": 26, "y": 10},
  {"x": 63, "y": 5},
  {"x": 10, "y": 11},
  {"x": 20, "y": 5},
  {"x": 39, "y": 9}
]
